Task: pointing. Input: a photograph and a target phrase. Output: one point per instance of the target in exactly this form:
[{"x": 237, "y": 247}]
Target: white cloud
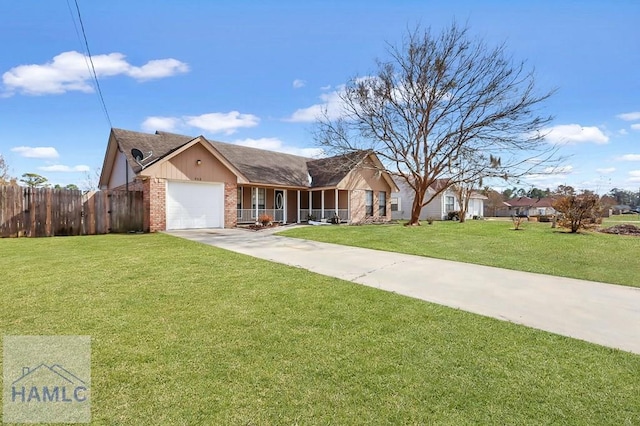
[
  {"x": 560, "y": 170},
  {"x": 325, "y": 88},
  {"x": 569, "y": 134},
  {"x": 623, "y": 132},
  {"x": 634, "y": 176},
  {"x": 157, "y": 68},
  {"x": 635, "y": 126},
  {"x": 227, "y": 123},
  {"x": 331, "y": 103},
  {"x": 36, "y": 152},
  {"x": 550, "y": 174},
  {"x": 62, "y": 168},
  {"x": 166, "y": 124},
  {"x": 297, "y": 83},
  {"x": 68, "y": 71},
  {"x": 629, "y": 157},
  {"x": 629, "y": 116},
  {"x": 275, "y": 144},
  {"x": 606, "y": 171},
  {"x": 214, "y": 122}
]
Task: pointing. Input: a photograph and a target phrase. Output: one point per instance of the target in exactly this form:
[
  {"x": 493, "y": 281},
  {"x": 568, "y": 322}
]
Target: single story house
[
  {"x": 525, "y": 206},
  {"x": 438, "y": 208},
  {"x": 191, "y": 182}
]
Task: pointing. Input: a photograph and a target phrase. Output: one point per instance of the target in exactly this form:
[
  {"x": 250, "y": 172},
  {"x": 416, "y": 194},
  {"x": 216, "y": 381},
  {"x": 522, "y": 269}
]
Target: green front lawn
[
  {"x": 184, "y": 333},
  {"x": 535, "y": 248},
  {"x": 626, "y": 218}
]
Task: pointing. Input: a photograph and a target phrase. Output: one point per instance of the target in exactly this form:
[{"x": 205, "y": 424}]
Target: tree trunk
[
  {"x": 416, "y": 209},
  {"x": 462, "y": 212}
]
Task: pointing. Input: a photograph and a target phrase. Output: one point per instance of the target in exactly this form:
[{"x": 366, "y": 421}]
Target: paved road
[{"x": 601, "y": 313}]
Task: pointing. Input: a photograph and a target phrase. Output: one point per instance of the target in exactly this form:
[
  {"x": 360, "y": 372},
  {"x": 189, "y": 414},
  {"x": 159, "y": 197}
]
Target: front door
[{"x": 279, "y": 205}]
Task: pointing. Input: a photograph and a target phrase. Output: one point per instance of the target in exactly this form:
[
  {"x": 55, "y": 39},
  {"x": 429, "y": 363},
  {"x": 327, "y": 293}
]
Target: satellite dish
[{"x": 139, "y": 156}]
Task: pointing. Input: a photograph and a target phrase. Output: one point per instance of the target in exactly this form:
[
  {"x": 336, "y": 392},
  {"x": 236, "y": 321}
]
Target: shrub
[
  {"x": 430, "y": 220},
  {"x": 517, "y": 221},
  {"x": 579, "y": 211},
  {"x": 453, "y": 215},
  {"x": 265, "y": 219},
  {"x": 544, "y": 218}
]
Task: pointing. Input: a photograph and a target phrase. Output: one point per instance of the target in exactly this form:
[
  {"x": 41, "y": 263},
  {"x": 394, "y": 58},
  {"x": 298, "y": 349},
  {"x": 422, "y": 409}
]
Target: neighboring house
[
  {"x": 525, "y": 206},
  {"x": 196, "y": 183},
  {"x": 621, "y": 208},
  {"x": 438, "y": 208}
]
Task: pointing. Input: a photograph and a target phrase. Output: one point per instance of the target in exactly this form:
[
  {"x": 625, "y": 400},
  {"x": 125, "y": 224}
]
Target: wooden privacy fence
[{"x": 45, "y": 212}]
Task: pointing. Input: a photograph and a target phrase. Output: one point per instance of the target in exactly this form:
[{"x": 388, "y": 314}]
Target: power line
[{"x": 90, "y": 66}]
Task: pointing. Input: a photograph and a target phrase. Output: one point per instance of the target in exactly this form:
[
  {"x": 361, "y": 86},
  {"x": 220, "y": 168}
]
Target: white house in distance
[{"x": 438, "y": 208}]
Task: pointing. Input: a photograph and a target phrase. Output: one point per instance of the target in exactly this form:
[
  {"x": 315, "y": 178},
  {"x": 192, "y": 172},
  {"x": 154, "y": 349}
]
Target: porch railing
[
  {"x": 343, "y": 214},
  {"x": 249, "y": 215}
]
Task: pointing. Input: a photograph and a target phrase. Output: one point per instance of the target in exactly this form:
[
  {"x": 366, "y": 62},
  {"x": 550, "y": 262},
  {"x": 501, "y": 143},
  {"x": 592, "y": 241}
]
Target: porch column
[
  {"x": 349, "y": 206},
  {"x": 255, "y": 198},
  {"x": 310, "y": 201},
  {"x": 298, "y": 206},
  {"x": 336, "y": 200},
  {"x": 322, "y": 204},
  {"x": 284, "y": 206}
]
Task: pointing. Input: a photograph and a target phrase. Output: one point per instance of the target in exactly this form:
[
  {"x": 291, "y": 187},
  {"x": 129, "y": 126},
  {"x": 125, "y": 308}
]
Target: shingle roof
[
  {"x": 262, "y": 166},
  {"x": 257, "y": 165},
  {"x": 331, "y": 170},
  {"x": 530, "y": 202},
  {"x": 159, "y": 145}
]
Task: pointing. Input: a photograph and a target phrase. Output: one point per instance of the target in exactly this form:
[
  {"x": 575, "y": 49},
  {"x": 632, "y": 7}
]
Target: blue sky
[{"x": 255, "y": 73}]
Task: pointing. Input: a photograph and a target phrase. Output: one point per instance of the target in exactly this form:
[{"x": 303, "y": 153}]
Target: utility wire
[{"x": 90, "y": 66}]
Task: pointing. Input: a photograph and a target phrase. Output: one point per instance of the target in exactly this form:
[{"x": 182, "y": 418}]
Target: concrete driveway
[{"x": 601, "y": 313}]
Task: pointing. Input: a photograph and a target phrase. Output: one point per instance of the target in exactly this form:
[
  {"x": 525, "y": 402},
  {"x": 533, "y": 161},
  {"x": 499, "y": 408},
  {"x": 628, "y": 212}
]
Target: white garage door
[{"x": 195, "y": 205}]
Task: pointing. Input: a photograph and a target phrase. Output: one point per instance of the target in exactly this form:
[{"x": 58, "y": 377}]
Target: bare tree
[
  {"x": 91, "y": 180},
  {"x": 442, "y": 100},
  {"x": 4, "y": 171}
]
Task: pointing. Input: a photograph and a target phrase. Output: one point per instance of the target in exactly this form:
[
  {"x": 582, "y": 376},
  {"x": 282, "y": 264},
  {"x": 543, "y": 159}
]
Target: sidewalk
[{"x": 601, "y": 313}]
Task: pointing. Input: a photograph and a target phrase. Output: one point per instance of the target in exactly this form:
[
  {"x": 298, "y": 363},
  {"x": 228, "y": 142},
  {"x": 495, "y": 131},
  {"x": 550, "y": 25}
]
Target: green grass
[
  {"x": 625, "y": 218},
  {"x": 536, "y": 248},
  {"x": 183, "y": 333}
]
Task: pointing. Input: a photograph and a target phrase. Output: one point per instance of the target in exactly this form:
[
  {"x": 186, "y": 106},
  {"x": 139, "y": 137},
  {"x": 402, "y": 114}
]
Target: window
[
  {"x": 369, "y": 203},
  {"x": 449, "y": 203},
  {"x": 262, "y": 195},
  {"x": 239, "y": 200},
  {"x": 382, "y": 203},
  {"x": 395, "y": 204}
]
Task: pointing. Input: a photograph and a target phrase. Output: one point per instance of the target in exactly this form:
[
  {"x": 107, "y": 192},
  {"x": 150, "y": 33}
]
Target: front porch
[{"x": 292, "y": 205}]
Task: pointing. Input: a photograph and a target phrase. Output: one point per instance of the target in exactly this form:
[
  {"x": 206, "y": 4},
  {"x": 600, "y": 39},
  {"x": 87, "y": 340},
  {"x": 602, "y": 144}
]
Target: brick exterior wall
[
  {"x": 230, "y": 205},
  {"x": 154, "y": 198}
]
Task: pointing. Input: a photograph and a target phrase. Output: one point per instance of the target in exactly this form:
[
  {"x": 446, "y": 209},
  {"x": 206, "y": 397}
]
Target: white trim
[
  {"x": 298, "y": 206},
  {"x": 322, "y": 204},
  {"x": 284, "y": 206}
]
